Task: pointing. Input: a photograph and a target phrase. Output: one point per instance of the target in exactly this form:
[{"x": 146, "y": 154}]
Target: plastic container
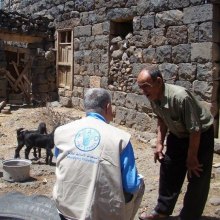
[{"x": 16, "y": 170}]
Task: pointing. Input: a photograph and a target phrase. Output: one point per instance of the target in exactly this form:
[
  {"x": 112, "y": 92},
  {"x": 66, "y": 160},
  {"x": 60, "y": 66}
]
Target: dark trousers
[{"x": 173, "y": 171}]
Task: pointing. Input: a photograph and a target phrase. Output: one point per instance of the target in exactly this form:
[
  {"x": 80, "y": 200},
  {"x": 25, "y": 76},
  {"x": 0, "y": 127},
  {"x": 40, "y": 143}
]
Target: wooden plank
[
  {"x": 11, "y": 80},
  {"x": 21, "y": 74},
  {"x": 18, "y": 82},
  {"x": 20, "y": 38},
  {"x": 16, "y": 49}
]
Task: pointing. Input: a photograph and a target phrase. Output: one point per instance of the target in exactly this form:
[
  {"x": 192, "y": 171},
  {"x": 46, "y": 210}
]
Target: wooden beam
[
  {"x": 16, "y": 49},
  {"x": 19, "y": 38}
]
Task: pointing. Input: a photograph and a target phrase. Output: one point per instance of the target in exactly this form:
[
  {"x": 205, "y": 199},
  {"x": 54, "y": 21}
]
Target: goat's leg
[
  {"x": 49, "y": 156},
  {"x": 17, "y": 151},
  {"x": 39, "y": 152},
  {"x": 35, "y": 152},
  {"x": 27, "y": 151}
]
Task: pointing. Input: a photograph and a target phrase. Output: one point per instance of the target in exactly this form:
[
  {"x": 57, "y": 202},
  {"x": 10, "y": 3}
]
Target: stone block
[
  {"x": 173, "y": 4},
  {"x": 78, "y": 80},
  {"x": 199, "y": 13},
  {"x": 144, "y": 122},
  {"x": 119, "y": 98},
  {"x": 131, "y": 101},
  {"x": 205, "y": 71},
  {"x": 83, "y": 31},
  {"x": 193, "y": 33},
  {"x": 203, "y": 90},
  {"x": 130, "y": 118},
  {"x": 65, "y": 101},
  {"x": 95, "y": 81},
  {"x": 177, "y": 35},
  {"x": 185, "y": 84},
  {"x": 158, "y": 37},
  {"x": 149, "y": 55},
  {"x": 120, "y": 115},
  {"x": 205, "y": 52},
  {"x": 136, "y": 24},
  {"x": 97, "y": 29},
  {"x": 169, "y": 18},
  {"x": 169, "y": 71},
  {"x": 78, "y": 91},
  {"x": 106, "y": 27},
  {"x": 101, "y": 42},
  {"x": 120, "y": 14},
  {"x": 147, "y": 22},
  {"x": 104, "y": 82},
  {"x": 68, "y": 93},
  {"x": 206, "y": 32},
  {"x": 143, "y": 104},
  {"x": 75, "y": 102},
  {"x": 187, "y": 72},
  {"x": 163, "y": 54},
  {"x": 181, "y": 53}
]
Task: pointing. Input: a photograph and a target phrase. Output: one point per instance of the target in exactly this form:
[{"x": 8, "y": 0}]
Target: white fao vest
[{"x": 89, "y": 182}]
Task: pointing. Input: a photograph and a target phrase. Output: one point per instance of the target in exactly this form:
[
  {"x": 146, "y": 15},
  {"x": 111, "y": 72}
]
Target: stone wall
[
  {"x": 43, "y": 80},
  {"x": 181, "y": 37}
]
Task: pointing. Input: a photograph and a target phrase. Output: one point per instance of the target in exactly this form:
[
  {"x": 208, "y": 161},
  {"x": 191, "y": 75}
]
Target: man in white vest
[{"x": 96, "y": 175}]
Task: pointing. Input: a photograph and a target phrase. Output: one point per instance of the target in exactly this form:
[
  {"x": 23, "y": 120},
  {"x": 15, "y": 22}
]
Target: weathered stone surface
[
  {"x": 143, "y": 122},
  {"x": 205, "y": 72},
  {"x": 120, "y": 115},
  {"x": 167, "y": 18},
  {"x": 193, "y": 33},
  {"x": 187, "y": 71},
  {"x": 198, "y": 13},
  {"x": 82, "y": 31},
  {"x": 78, "y": 91},
  {"x": 169, "y": 71},
  {"x": 173, "y": 4},
  {"x": 163, "y": 54},
  {"x": 181, "y": 53},
  {"x": 205, "y": 32},
  {"x": 120, "y": 14},
  {"x": 203, "y": 90},
  {"x": 149, "y": 55},
  {"x": 204, "y": 52},
  {"x": 95, "y": 81},
  {"x": 119, "y": 98},
  {"x": 75, "y": 102},
  {"x": 78, "y": 80},
  {"x": 65, "y": 101},
  {"x": 158, "y": 37},
  {"x": 177, "y": 35},
  {"x": 97, "y": 29},
  {"x": 147, "y": 22},
  {"x": 185, "y": 84},
  {"x": 143, "y": 104}
]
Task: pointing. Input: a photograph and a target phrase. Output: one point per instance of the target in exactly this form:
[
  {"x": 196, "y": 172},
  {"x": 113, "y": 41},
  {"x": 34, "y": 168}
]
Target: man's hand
[
  {"x": 158, "y": 154},
  {"x": 193, "y": 166}
]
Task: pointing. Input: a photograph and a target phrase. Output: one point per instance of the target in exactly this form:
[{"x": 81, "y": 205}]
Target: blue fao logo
[{"x": 87, "y": 139}]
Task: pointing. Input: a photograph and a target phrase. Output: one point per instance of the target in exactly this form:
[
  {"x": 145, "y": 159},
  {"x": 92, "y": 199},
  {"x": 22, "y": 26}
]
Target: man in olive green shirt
[{"x": 190, "y": 144}]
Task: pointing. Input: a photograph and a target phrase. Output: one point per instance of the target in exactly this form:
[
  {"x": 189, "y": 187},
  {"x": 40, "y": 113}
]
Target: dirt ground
[{"x": 43, "y": 176}]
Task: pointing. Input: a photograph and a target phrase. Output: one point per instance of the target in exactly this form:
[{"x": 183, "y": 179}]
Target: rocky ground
[{"x": 42, "y": 176}]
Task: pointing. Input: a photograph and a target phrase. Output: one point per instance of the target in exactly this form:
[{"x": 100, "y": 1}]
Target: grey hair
[{"x": 96, "y": 99}]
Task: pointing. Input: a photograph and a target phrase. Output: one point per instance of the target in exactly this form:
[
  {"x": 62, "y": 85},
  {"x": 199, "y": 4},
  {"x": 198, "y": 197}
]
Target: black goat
[
  {"x": 21, "y": 135},
  {"x": 41, "y": 141}
]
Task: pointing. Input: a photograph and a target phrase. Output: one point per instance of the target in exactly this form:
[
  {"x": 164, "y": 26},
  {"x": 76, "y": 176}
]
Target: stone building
[{"x": 105, "y": 43}]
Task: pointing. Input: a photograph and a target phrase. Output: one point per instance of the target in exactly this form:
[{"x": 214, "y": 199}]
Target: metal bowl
[{"x": 16, "y": 170}]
